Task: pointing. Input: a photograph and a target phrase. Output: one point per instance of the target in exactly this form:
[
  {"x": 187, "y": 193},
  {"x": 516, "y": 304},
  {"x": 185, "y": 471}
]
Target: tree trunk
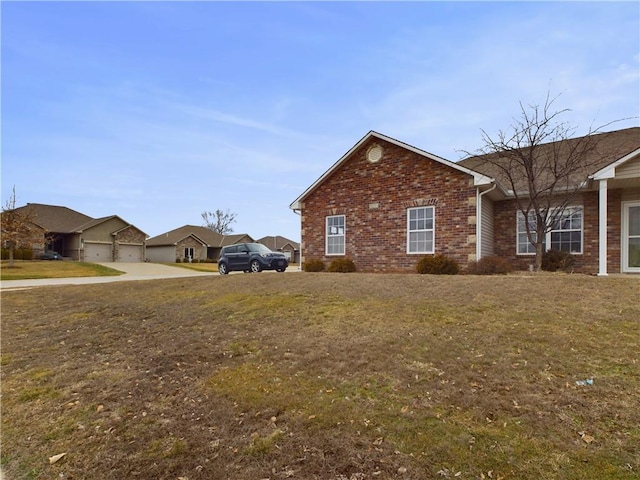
[{"x": 539, "y": 252}]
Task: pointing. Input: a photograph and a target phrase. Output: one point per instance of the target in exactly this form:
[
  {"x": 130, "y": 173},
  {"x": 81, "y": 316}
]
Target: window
[
  {"x": 566, "y": 234},
  {"x": 335, "y": 235},
  {"x": 420, "y": 230},
  {"x": 188, "y": 252},
  {"x": 524, "y": 246}
]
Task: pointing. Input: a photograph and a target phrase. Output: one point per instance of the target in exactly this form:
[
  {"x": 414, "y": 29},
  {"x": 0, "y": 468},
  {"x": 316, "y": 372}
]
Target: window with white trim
[
  {"x": 335, "y": 236},
  {"x": 420, "y": 230},
  {"x": 524, "y": 246},
  {"x": 566, "y": 234}
]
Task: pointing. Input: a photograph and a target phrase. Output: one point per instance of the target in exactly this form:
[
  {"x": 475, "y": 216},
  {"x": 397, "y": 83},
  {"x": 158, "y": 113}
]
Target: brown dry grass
[
  {"x": 53, "y": 269},
  {"x": 327, "y": 376}
]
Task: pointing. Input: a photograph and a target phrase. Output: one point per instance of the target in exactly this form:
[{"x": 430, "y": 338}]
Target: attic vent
[{"x": 374, "y": 154}]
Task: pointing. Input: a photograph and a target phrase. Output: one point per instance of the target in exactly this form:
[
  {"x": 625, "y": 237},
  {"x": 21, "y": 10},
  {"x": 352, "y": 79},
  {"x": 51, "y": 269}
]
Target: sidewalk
[{"x": 132, "y": 271}]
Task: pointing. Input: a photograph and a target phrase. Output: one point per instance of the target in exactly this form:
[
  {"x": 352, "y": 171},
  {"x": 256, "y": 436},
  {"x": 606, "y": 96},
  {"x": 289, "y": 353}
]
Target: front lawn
[
  {"x": 27, "y": 269},
  {"x": 324, "y": 376}
]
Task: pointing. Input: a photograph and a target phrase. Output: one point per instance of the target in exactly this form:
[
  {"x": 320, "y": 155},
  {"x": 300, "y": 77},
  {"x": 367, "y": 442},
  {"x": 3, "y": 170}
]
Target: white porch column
[{"x": 602, "y": 232}]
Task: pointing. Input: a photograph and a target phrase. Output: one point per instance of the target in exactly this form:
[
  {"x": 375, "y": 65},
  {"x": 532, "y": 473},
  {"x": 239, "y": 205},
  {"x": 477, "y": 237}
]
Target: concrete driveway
[{"x": 132, "y": 271}]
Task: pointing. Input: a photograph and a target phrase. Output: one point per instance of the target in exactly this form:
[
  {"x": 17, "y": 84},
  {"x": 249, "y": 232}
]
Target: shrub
[
  {"x": 342, "y": 265},
  {"x": 554, "y": 260},
  {"x": 313, "y": 265},
  {"x": 438, "y": 265},
  {"x": 20, "y": 253},
  {"x": 490, "y": 266}
]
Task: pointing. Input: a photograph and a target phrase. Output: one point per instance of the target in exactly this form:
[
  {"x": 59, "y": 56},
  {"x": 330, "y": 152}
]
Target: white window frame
[
  {"x": 626, "y": 209},
  {"x": 547, "y": 244},
  {"x": 431, "y": 230},
  {"x": 334, "y": 232}
]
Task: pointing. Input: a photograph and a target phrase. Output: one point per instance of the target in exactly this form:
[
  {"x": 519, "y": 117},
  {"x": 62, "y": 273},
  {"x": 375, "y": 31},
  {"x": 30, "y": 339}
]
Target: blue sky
[{"x": 159, "y": 111}]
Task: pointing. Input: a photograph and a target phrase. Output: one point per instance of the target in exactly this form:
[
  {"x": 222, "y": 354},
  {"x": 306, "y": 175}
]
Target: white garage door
[
  {"x": 97, "y": 252},
  {"x": 130, "y": 253}
]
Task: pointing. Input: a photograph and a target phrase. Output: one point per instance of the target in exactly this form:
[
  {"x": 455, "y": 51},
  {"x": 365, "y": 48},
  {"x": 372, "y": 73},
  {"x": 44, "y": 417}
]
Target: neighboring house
[
  {"x": 386, "y": 204},
  {"x": 79, "y": 237},
  {"x": 190, "y": 243},
  {"x": 277, "y": 243}
]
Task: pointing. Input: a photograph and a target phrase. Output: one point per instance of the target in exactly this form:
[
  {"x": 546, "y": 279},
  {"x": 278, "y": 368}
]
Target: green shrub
[
  {"x": 490, "y": 266},
  {"x": 554, "y": 260},
  {"x": 438, "y": 265},
  {"x": 342, "y": 265},
  {"x": 313, "y": 265}
]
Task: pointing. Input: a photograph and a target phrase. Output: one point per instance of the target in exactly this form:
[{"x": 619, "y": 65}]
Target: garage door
[
  {"x": 97, "y": 252},
  {"x": 130, "y": 253}
]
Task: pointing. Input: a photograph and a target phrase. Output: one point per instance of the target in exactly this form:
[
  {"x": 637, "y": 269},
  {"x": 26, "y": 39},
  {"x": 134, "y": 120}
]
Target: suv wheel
[
  {"x": 222, "y": 269},
  {"x": 256, "y": 267}
]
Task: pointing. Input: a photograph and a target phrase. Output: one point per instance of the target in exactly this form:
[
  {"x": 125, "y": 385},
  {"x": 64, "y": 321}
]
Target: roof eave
[
  {"x": 478, "y": 178},
  {"x": 610, "y": 170}
]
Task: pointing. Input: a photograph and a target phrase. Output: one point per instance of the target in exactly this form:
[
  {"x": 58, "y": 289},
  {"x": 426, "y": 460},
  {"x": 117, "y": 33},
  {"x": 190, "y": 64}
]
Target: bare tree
[
  {"x": 18, "y": 227},
  {"x": 219, "y": 221},
  {"x": 543, "y": 166}
]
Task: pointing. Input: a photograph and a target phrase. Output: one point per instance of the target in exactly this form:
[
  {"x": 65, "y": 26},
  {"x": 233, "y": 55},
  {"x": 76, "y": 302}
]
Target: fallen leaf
[
  {"x": 586, "y": 438},
  {"x": 55, "y": 458},
  {"x": 99, "y": 408}
]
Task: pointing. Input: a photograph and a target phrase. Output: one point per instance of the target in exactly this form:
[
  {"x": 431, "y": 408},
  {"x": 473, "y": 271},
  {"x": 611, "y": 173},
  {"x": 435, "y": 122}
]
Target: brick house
[
  {"x": 278, "y": 243},
  {"x": 190, "y": 242},
  {"x": 386, "y": 204},
  {"x": 77, "y": 236}
]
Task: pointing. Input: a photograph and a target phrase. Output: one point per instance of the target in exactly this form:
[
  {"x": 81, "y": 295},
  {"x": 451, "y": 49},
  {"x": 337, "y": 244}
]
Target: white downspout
[
  {"x": 299, "y": 212},
  {"x": 479, "y": 220},
  {"x": 602, "y": 231}
]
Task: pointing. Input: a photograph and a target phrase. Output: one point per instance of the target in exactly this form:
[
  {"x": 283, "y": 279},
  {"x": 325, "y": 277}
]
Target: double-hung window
[
  {"x": 524, "y": 246},
  {"x": 420, "y": 230},
  {"x": 335, "y": 235},
  {"x": 566, "y": 234}
]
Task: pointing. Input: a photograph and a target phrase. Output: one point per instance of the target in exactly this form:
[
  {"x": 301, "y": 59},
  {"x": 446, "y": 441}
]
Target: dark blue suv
[{"x": 250, "y": 257}]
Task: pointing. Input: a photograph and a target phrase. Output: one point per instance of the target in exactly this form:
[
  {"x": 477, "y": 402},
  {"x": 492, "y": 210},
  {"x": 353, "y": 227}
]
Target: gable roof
[
  {"x": 478, "y": 178},
  {"x": 609, "y": 150},
  {"x": 235, "y": 238},
  {"x": 203, "y": 234},
  {"x": 277, "y": 242},
  {"x": 54, "y": 218}
]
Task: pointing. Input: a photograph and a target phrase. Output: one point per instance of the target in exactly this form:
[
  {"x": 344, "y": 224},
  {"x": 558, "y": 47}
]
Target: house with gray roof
[
  {"x": 77, "y": 236},
  {"x": 278, "y": 243},
  {"x": 386, "y": 205},
  {"x": 190, "y": 243}
]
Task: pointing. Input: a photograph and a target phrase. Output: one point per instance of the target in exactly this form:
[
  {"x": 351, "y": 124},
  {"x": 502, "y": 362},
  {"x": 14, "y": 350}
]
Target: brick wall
[
  {"x": 199, "y": 251},
  {"x": 587, "y": 262},
  {"x": 375, "y": 198}
]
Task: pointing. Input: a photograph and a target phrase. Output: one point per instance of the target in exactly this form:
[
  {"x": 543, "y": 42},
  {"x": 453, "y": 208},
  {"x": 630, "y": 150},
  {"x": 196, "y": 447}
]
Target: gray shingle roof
[
  {"x": 609, "y": 147},
  {"x": 277, "y": 242},
  {"x": 56, "y": 219}
]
